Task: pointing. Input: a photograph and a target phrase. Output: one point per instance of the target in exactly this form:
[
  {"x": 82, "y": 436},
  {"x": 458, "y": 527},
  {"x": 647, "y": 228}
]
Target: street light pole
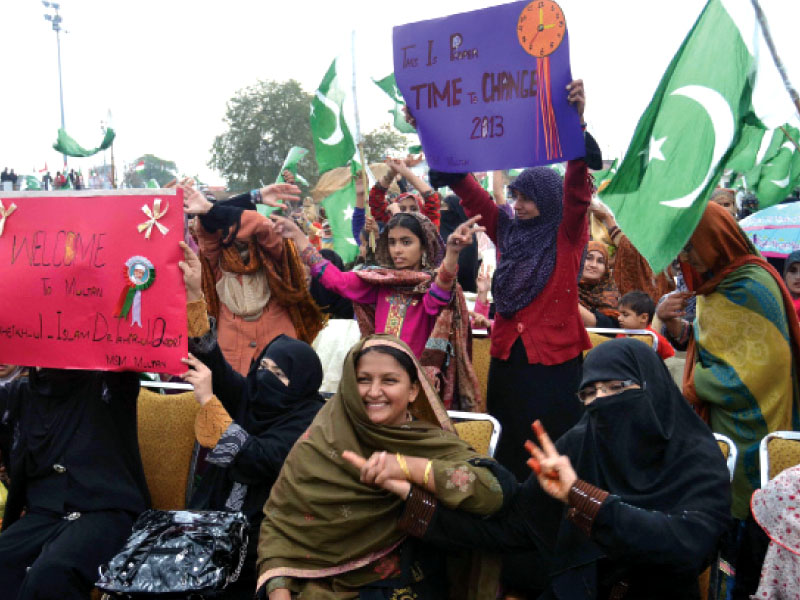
[{"x": 55, "y": 19}]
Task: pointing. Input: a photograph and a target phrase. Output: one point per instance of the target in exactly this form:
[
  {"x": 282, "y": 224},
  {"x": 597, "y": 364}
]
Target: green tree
[
  {"x": 263, "y": 122},
  {"x": 163, "y": 171},
  {"x": 378, "y": 142}
]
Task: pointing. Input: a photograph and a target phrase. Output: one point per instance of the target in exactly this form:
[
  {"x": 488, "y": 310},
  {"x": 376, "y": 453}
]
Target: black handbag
[{"x": 183, "y": 553}]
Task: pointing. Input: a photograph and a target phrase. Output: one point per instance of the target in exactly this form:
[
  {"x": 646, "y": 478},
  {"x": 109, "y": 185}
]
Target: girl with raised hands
[{"x": 413, "y": 295}]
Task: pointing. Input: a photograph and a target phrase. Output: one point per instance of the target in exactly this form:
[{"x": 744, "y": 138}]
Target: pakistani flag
[
  {"x": 293, "y": 158},
  {"x": 339, "y": 211},
  {"x": 389, "y": 86},
  {"x": 66, "y": 145},
  {"x": 332, "y": 140},
  {"x": 695, "y": 121},
  {"x": 604, "y": 175},
  {"x": 32, "y": 183},
  {"x": 779, "y": 171}
]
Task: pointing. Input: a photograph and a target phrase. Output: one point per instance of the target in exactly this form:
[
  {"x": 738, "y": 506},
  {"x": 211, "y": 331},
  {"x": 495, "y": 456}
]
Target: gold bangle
[
  {"x": 427, "y": 474},
  {"x": 401, "y": 460}
]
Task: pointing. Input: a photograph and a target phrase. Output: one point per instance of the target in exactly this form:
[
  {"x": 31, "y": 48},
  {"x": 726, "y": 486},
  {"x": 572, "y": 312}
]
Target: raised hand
[
  {"x": 409, "y": 117},
  {"x": 554, "y": 471},
  {"x": 412, "y": 161},
  {"x": 271, "y": 195},
  {"x": 192, "y": 273},
  {"x": 194, "y": 201},
  {"x": 462, "y": 236},
  {"x": 199, "y": 376},
  {"x": 289, "y": 230},
  {"x": 576, "y": 96},
  {"x": 484, "y": 281},
  {"x": 380, "y": 470}
]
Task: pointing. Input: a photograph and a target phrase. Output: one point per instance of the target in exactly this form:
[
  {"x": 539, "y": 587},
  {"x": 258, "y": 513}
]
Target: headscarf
[
  {"x": 269, "y": 401},
  {"x": 468, "y": 261},
  {"x": 601, "y": 295},
  {"x": 646, "y": 446},
  {"x": 723, "y": 247},
  {"x": 775, "y": 510},
  {"x": 447, "y": 352},
  {"x": 528, "y": 247},
  {"x": 321, "y": 521},
  {"x": 286, "y": 281},
  {"x": 275, "y": 415},
  {"x": 330, "y": 302}
]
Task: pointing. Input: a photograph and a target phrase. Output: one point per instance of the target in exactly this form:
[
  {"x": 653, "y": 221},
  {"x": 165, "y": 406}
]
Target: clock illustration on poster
[{"x": 541, "y": 27}]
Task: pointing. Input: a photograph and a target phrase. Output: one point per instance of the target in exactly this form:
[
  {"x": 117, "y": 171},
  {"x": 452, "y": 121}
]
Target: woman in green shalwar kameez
[{"x": 327, "y": 535}]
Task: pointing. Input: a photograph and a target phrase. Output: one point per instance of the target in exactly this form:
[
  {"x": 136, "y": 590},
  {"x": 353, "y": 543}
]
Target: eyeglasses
[{"x": 610, "y": 388}]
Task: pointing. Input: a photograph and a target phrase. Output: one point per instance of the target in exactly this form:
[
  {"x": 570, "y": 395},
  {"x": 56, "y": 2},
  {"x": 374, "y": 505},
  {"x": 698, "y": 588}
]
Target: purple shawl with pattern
[{"x": 528, "y": 248}]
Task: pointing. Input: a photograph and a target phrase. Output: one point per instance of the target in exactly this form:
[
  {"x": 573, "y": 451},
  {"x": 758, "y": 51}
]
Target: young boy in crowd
[{"x": 636, "y": 310}]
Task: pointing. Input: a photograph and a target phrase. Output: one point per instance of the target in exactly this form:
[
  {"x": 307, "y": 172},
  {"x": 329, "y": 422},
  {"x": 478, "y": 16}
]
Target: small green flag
[
  {"x": 339, "y": 211},
  {"x": 605, "y": 174},
  {"x": 684, "y": 137},
  {"x": 152, "y": 184},
  {"x": 779, "y": 172},
  {"x": 32, "y": 183},
  {"x": 332, "y": 139},
  {"x": 66, "y": 145},
  {"x": 293, "y": 158},
  {"x": 389, "y": 86}
]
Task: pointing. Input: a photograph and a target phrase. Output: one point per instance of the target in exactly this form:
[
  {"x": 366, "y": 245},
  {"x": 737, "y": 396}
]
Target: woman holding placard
[{"x": 538, "y": 335}]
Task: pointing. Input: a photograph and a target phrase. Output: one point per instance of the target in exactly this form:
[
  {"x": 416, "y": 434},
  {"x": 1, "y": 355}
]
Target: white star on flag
[
  {"x": 348, "y": 213},
  {"x": 655, "y": 148}
]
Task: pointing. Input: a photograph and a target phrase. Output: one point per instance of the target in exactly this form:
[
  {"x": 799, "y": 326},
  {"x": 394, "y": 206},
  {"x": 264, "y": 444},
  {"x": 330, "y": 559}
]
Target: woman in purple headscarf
[{"x": 538, "y": 336}]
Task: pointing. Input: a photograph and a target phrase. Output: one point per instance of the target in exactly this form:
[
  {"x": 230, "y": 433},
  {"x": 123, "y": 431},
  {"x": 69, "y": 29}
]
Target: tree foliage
[
  {"x": 163, "y": 171},
  {"x": 263, "y": 122},
  {"x": 379, "y": 142}
]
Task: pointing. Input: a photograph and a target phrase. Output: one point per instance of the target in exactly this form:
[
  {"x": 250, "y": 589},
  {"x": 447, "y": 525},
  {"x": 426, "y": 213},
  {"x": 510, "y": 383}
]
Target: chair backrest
[
  {"x": 166, "y": 442},
  {"x": 778, "y": 451},
  {"x": 480, "y": 430},
  {"x": 643, "y": 335},
  {"x": 729, "y": 451},
  {"x": 481, "y": 359}
]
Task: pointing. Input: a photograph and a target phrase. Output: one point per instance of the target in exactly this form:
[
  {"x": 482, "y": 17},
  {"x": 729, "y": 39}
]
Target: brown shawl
[
  {"x": 287, "y": 284},
  {"x": 633, "y": 273},
  {"x": 601, "y": 295}
]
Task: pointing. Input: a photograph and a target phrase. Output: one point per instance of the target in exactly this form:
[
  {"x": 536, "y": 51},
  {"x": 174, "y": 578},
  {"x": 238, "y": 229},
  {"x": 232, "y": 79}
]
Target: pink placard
[{"x": 91, "y": 280}]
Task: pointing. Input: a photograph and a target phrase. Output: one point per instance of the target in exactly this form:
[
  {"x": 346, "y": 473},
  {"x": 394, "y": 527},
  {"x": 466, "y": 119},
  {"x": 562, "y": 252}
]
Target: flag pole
[
  {"x": 360, "y": 142},
  {"x": 762, "y": 20}
]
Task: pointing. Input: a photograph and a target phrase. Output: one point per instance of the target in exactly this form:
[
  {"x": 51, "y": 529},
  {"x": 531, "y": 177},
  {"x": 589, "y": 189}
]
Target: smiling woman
[{"x": 330, "y": 528}]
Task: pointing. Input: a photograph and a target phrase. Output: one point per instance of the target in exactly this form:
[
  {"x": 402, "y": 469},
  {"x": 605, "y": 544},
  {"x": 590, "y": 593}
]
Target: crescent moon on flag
[
  {"x": 337, "y": 135},
  {"x": 719, "y": 111}
]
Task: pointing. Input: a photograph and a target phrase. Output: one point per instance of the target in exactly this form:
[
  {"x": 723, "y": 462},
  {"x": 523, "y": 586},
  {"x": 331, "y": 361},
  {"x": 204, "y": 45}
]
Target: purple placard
[{"x": 480, "y": 95}]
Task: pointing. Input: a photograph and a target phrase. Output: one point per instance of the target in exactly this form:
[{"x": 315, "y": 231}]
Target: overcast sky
[{"x": 165, "y": 68}]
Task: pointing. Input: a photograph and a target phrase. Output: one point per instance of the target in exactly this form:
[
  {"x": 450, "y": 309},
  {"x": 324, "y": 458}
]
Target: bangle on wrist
[
  {"x": 255, "y": 196},
  {"x": 401, "y": 460},
  {"x": 426, "y": 477}
]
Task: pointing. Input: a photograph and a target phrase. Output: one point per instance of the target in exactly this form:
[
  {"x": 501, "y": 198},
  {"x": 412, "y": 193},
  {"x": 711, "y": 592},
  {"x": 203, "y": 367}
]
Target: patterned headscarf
[
  {"x": 528, "y": 247},
  {"x": 601, "y": 295}
]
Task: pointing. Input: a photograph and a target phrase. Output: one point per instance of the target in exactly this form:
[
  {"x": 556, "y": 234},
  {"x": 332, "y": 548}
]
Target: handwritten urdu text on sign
[{"x": 92, "y": 281}]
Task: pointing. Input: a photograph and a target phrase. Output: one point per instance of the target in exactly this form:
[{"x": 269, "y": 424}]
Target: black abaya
[{"x": 669, "y": 496}]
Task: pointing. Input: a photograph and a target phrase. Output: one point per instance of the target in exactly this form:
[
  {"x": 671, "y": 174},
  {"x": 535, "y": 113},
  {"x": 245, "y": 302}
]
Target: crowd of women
[{"x": 370, "y": 493}]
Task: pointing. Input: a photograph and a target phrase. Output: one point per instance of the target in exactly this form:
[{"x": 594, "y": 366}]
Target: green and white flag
[
  {"x": 690, "y": 130},
  {"x": 780, "y": 171},
  {"x": 332, "y": 139},
  {"x": 293, "y": 158},
  {"x": 339, "y": 212},
  {"x": 32, "y": 183},
  {"x": 389, "y": 86},
  {"x": 66, "y": 145},
  {"x": 605, "y": 174}
]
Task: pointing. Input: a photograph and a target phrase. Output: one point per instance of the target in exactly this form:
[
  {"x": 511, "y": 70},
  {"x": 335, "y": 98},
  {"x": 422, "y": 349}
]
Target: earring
[{"x": 424, "y": 261}]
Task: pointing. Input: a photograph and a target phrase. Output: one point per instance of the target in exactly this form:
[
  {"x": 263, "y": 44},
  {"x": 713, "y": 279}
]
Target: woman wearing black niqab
[{"x": 645, "y": 515}]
